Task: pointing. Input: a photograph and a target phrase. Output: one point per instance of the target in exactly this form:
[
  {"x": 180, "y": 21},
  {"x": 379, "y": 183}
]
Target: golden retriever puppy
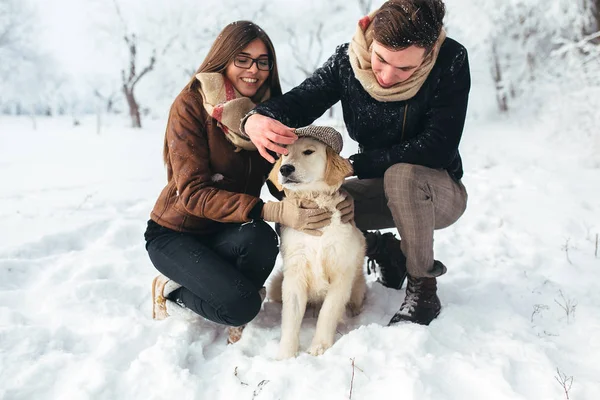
[{"x": 324, "y": 270}]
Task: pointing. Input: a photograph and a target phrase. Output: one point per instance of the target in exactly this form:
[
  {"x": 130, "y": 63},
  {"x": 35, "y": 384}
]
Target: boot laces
[{"x": 411, "y": 299}]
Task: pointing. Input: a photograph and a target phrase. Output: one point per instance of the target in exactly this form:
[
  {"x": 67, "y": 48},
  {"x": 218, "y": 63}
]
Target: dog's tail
[{"x": 274, "y": 288}]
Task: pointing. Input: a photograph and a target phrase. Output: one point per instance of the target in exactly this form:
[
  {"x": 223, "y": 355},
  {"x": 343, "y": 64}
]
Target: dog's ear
[
  {"x": 274, "y": 175},
  {"x": 337, "y": 169}
]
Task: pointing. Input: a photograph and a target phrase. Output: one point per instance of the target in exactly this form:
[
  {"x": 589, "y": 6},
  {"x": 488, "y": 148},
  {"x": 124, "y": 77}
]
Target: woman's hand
[{"x": 300, "y": 215}]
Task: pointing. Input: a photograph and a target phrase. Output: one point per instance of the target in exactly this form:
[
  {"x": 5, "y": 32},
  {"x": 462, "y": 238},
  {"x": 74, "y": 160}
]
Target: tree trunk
[
  {"x": 596, "y": 19},
  {"x": 134, "y": 108},
  {"x": 132, "y": 78},
  {"x": 501, "y": 93}
]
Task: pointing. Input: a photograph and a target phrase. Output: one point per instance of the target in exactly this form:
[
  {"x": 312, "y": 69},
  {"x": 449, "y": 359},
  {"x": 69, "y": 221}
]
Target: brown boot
[
  {"x": 235, "y": 332},
  {"x": 161, "y": 288},
  {"x": 421, "y": 304}
]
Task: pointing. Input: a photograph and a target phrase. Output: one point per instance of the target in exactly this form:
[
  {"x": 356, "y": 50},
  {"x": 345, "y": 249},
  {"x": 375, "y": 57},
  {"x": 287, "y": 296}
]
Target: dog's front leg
[
  {"x": 331, "y": 313},
  {"x": 294, "y": 305},
  {"x": 359, "y": 290}
]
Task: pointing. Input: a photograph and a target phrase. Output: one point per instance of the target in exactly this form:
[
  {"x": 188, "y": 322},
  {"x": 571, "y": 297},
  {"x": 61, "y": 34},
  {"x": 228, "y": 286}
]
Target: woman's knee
[
  {"x": 259, "y": 237},
  {"x": 164, "y": 253},
  {"x": 242, "y": 311}
]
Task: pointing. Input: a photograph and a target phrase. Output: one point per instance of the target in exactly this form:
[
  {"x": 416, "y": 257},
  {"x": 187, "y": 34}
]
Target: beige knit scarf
[
  {"x": 228, "y": 106},
  {"x": 360, "y": 59}
]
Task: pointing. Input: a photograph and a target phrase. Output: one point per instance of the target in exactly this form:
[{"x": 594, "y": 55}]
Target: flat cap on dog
[{"x": 324, "y": 134}]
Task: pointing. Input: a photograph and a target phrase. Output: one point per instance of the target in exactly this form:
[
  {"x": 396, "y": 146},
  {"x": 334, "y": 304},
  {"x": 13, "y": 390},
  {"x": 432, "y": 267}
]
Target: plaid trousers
[{"x": 414, "y": 199}]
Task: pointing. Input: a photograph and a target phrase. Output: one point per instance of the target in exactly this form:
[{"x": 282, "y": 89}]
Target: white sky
[{"x": 68, "y": 33}]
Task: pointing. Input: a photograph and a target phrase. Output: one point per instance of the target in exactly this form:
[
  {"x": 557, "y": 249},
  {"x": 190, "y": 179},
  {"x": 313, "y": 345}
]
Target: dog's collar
[{"x": 310, "y": 194}]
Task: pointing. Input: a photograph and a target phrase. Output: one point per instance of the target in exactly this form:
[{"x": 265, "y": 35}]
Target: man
[{"x": 404, "y": 89}]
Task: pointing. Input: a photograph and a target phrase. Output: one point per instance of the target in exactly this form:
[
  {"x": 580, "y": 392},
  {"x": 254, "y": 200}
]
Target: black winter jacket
[{"x": 424, "y": 130}]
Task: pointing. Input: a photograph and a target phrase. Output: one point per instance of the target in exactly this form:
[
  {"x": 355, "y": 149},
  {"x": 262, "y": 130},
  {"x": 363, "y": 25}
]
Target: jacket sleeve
[
  {"x": 190, "y": 162},
  {"x": 306, "y": 102},
  {"x": 278, "y": 194},
  {"x": 436, "y": 146}
]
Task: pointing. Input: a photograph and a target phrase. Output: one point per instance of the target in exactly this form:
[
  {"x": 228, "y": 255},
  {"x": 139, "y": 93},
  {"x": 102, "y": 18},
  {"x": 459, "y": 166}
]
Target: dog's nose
[{"x": 286, "y": 170}]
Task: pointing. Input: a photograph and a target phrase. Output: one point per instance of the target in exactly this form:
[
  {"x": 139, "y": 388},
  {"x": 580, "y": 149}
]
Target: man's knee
[{"x": 402, "y": 178}]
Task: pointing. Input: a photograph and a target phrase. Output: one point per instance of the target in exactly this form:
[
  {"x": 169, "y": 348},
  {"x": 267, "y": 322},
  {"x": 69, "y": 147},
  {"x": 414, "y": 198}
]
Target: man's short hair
[{"x": 399, "y": 24}]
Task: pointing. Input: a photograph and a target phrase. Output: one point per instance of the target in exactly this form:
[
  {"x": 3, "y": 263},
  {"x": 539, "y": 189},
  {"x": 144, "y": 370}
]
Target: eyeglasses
[{"x": 263, "y": 64}]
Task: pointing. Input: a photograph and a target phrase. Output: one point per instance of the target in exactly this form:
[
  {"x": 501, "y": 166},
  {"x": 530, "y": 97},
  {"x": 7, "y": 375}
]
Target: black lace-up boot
[
  {"x": 384, "y": 251},
  {"x": 421, "y": 304}
]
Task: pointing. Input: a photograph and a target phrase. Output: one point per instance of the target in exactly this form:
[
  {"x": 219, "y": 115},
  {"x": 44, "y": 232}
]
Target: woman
[{"x": 207, "y": 234}]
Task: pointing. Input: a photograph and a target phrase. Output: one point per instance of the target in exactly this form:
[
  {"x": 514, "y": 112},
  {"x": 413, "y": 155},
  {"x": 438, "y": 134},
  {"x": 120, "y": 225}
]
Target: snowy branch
[
  {"x": 567, "y": 45},
  {"x": 564, "y": 381}
]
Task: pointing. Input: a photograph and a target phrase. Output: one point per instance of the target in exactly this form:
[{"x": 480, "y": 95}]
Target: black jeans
[{"x": 220, "y": 273}]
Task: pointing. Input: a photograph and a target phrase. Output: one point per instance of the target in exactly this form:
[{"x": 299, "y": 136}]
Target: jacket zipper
[
  {"x": 404, "y": 122},
  {"x": 249, "y": 173}
]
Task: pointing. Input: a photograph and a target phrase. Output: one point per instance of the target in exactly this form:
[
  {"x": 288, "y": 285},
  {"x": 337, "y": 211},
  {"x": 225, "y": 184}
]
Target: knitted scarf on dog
[
  {"x": 228, "y": 106},
  {"x": 360, "y": 59}
]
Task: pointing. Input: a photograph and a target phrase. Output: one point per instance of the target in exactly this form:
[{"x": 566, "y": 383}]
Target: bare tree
[
  {"x": 199, "y": 43},
  {"x": 109, "y": 98},
  {"x": 16, "y": 53},
  {"x": 568, "y": 305},
  {"x": 106, "y": 101},
  {"x": 520, "y": 40},
  {"x": 501, "y": 93},
  {"x": 132, "y": 77},
  {"x": 529, "y": 39},
  {"x": 308, "y": 56},
  {"x": 564, "y": 381},
  {"x": 594, "y": 26},
  {"x": 13, "y": 24}
]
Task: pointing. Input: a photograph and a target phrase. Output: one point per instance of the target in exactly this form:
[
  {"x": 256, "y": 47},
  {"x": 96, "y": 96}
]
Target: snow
[
  {"x": 75, "y": 320},
  {"x": 520, "y": 299}
]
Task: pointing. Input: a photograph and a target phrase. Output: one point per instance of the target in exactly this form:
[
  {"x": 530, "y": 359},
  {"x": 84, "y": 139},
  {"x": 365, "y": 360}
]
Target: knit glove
[
  {"x": 346, "y": 207},
  {"x": 301, "y": 215},
  {"x": 368, "y": 165}
]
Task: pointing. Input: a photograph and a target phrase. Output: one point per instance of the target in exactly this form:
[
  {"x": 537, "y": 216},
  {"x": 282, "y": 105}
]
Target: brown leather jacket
[{"x": 208, "y": 182}]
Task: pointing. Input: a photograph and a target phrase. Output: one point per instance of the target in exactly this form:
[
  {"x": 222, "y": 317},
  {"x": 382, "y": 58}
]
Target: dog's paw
[
  {"x": 286, "y": 353},
  {"x": 353, "y": 309},
  {"x": 317, "y": 349}
]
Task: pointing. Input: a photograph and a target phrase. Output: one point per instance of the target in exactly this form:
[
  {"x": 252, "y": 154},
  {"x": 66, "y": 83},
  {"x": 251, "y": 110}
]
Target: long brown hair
[{"x": 229, "y": 43}]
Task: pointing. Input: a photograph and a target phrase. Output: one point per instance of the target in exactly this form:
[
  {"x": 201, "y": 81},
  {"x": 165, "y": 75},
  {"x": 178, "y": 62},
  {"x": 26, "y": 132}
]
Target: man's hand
[
  {"x": 268, "y": 134},
  {"x": 296, "y": 214},
  {"x": 346, "y": 207}
]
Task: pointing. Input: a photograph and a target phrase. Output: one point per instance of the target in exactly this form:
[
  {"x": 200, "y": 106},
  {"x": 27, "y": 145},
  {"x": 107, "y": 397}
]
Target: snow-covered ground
[{"x": 521, "y": 299}]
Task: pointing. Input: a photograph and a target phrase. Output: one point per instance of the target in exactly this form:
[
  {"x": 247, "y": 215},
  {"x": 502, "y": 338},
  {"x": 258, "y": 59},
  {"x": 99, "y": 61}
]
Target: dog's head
[{"x": 310, "y": 165}]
